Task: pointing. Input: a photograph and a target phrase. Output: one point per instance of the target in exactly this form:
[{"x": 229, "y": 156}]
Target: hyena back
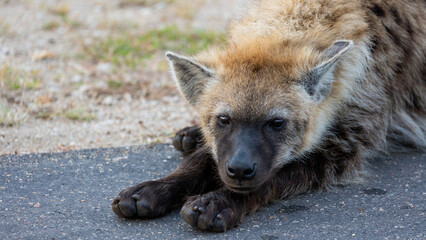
[{"x": 300, "y": 96}]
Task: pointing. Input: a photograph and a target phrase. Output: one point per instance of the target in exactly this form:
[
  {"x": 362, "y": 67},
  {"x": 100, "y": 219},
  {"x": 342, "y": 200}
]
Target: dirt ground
[{"x": 92, "y": 73}]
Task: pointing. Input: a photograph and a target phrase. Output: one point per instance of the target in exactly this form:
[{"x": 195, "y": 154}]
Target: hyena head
[{"x": 257, "y": 104}]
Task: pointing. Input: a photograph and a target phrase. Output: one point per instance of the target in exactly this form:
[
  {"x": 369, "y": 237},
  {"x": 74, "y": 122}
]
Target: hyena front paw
[
  {"x": 146, "y": 200},
  {"x": 211, "y": 212},
  {"x": 186, "y": 140}
]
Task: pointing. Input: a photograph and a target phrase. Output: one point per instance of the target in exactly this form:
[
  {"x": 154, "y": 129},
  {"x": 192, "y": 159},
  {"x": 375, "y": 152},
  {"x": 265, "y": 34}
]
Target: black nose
[{"x": 241, "y": 170}]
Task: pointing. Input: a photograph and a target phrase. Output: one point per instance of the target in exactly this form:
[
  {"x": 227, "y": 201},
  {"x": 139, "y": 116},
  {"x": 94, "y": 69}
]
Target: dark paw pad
[
  {"x": 142, "y": 201},
  {"x": 209, "y": 213},
  {"x": 187, "y": 139}
]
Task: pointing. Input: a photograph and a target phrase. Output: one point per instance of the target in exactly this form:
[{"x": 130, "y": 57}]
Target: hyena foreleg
[
  {"x": 188, "y": 139},
  {"x": 196, "y": 174},
  {"x": 224, "y": 209}
]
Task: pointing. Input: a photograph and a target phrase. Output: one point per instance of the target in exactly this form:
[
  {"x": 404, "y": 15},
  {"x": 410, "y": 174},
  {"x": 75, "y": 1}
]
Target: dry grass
[
  {"x": 14, "y": 79},
  {"x": 79, "y": 114},
  {"x": 60, "y": 10},
  {"x": 185, "y": 10},
  {"x": 50, "y": 26},
  {"x": 10, "y": 117},
  {"x": 5, "y": 29},
  {"x": 114, "y": 84},
  {"x": 131, "y": 50},
  {"x": 48, "y": 111},
  {"x": 129, "y": 3}
]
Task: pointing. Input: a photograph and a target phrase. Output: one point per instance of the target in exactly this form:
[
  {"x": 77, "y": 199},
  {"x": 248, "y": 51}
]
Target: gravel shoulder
[{"x": 80, "y": 74}]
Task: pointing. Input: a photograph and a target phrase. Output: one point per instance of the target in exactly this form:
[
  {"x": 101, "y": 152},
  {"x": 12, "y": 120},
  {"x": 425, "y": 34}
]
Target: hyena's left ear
[
  {"x": 192, "y": 78},
  {"x": 319, "y": 80}
]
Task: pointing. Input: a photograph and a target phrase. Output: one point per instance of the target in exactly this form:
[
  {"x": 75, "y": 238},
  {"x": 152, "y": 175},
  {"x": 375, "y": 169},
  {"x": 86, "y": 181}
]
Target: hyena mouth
[{"x": 240, "y": 189}]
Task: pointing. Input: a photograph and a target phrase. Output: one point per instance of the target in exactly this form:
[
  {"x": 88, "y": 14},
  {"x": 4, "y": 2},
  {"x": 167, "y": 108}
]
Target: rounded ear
[
  {"x": 318, "y": 81},
  {"x": 191, "y": 77}
]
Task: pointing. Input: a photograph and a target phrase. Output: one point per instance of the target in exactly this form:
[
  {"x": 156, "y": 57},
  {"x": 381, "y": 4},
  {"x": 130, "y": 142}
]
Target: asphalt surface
[{"x": 68, "y": 196}]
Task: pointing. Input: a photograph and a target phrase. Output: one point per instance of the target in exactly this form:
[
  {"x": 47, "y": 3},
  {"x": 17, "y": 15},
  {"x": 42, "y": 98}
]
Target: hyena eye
[
  {"x": 224, "y": 120},
  {"x": 277, "y": 123}
]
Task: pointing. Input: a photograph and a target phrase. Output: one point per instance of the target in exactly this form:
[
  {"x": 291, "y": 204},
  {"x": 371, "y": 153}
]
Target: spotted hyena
[{"x": 302, "y": 94}]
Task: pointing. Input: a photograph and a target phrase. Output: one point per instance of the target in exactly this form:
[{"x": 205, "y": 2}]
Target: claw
[
  {"x": 116, "y": 200},
  {"x": 201, "y": 210},
  {"x": 143, "y": 209},
  {"x": 137, "y": 197},
  {"x": 127, "y": 207},
  {"x": 190, "y": 216},
  {"x": 177, "y": 142}
]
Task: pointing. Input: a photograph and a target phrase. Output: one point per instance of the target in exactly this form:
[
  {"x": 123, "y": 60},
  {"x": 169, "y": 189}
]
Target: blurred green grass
[
  {"x": 15, "y": 79},
  {"x": 79, "y": 114},
  {"x": 131, "y": 50}
]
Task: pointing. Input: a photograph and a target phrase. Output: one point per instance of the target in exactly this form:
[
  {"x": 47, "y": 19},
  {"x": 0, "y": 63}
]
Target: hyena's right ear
[{"x": 192, "y": 78}]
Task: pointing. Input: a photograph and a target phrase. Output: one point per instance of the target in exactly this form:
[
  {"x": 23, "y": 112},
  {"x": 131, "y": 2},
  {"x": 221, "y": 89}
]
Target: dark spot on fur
[
  {"x": 395, "y": 38},
  {"x": 409, "y": 29},
  {"x": 256, "y": 68},
  {"x": 361, "y": 135},
  {"x": 398, "y": 68},
  {"x": 403, "y": 23},
  {"x": 377, "y": 10},
  {"x": 396, "y": 16},
  {"x": 415, "y": 104},
  {"x": 373, "y": 45},
  {"x": 292, "y": 209},
  {"x": 357, "y": 129},
  {"x": 374, "y": 191}
]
